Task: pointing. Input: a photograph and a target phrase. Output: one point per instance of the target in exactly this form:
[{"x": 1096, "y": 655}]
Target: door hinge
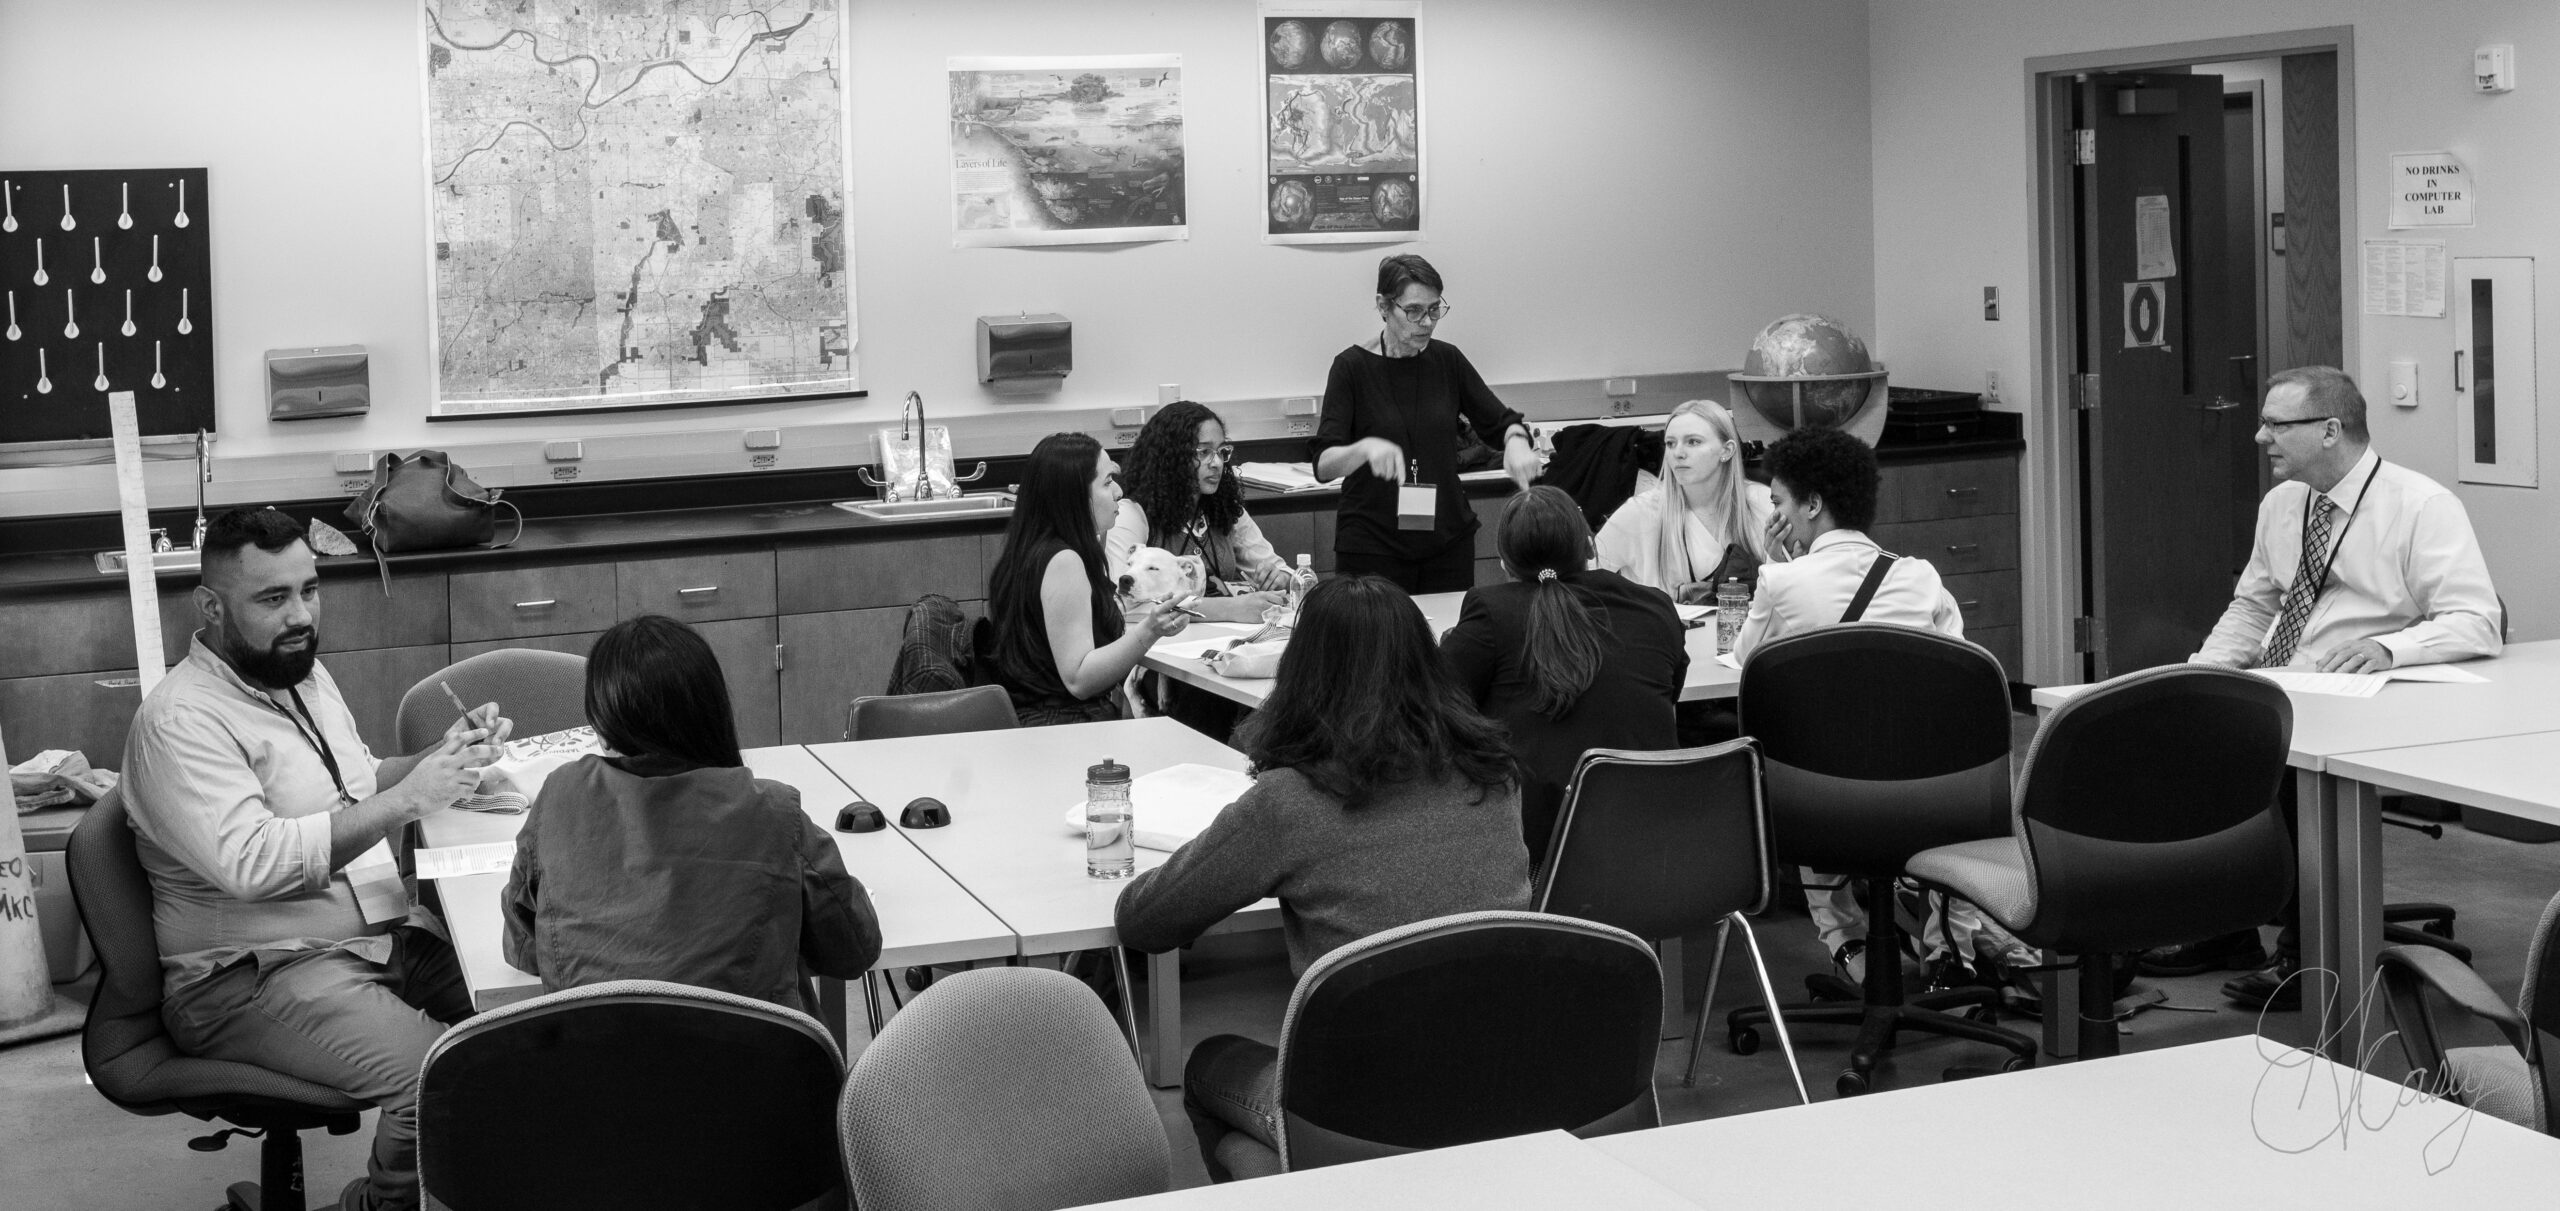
[
  {"x": 2086, "y": 637},
  {"x": 2084, "y": 392},
  {"x": 2084, "y": 147},
  {"x": 777, "y": 656}
]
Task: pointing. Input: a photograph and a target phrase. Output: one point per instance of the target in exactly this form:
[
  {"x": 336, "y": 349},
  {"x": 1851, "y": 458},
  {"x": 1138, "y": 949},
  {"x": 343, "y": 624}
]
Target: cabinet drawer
[
  {"x": 573, "y": 644},
  {"x": 76, "y": 634},
  {"x": 1964, "y": 487},
  {"x": 553, "y": 599},
  {"x": 697, "y": 588},
  {"x": 1955, "y": 545},
  {"x": 373, "y": 682},
  {"x": 86, "y": 712},
  {"x": 876, "y": 575},
  {"x": 354, "y": 614},
  {"x": 1988, "y": 599}
]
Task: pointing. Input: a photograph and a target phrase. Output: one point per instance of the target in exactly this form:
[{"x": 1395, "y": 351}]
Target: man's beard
[{"x": 270, "y": 667}]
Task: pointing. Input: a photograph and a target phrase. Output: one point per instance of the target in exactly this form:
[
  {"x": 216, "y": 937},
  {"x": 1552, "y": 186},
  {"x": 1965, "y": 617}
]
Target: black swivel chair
[
  {"x": 2146, "y": 817},
  {"x": 129, "y": 1054},
  {"x": 1880, "y": 741},
  {"x": 1464, "y": 1028},
  {"x": 982, "y": 708},
  {"x": 632, "y": 1094},
  {"x": 1662, "y": 845}
]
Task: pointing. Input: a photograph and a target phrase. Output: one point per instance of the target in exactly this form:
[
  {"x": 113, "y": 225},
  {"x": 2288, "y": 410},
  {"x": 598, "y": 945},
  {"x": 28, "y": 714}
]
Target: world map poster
[
  {"x": 637, "y": 204},
  {"x": 1342, "y": 119},
  {"x": 1082, "y": 150}
]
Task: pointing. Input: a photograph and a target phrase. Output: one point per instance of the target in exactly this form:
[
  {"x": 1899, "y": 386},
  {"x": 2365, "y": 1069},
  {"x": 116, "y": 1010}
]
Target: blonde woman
[{"x": 1680, "y": 537}]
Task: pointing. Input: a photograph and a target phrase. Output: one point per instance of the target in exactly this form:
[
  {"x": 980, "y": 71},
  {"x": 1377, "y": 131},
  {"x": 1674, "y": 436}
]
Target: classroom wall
[
  {"x": 1619, "y": 187},
  {"x": 1954, "y": 204}
]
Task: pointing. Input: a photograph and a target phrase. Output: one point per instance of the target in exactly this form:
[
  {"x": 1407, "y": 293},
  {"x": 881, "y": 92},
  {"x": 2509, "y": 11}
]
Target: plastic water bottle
[
  {"x": 1306, "y": 581},
  {"x": 1110, "y": 849},
  {"x": 1733, "y": 605}
]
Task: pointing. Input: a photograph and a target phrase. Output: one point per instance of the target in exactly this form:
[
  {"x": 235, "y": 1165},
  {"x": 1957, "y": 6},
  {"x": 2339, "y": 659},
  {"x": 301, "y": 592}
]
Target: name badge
[
  {"x": 1417, "y": 507},
  {"x": 375, "y": 876}
]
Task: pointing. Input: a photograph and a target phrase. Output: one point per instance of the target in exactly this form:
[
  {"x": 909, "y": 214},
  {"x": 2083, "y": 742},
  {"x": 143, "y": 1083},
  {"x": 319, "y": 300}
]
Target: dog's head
[{"x": 1156, "y": 574}]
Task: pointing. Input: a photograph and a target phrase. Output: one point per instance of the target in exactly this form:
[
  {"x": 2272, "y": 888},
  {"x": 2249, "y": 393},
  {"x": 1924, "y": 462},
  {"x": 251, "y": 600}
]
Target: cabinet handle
[
  {"x": 1973, "y": 491},
  {"x": 708, "y": 588},
  {"x": 120, "y": 683},
  {"x": 544, "y": 604},
  {"x": 1974, "y": 604},
  {"x": 1960, "y": 548}
]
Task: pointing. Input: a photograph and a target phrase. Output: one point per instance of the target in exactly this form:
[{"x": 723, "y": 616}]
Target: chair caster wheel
[
  {"x": 1985, "y": 1014},
  {"x": 2018, "y": 1063},
  {"x": 919, "y": 979},
  {"x": 1744, "y": 1041},
  {"x": 1851, "y": 1083}
]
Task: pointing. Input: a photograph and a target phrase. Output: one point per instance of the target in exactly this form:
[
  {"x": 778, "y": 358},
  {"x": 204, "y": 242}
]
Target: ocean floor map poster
[
  {"x": 1343, "y": 123},
  {"x": 637, "y": 203},
  {"x": 1084, "y": 150}
]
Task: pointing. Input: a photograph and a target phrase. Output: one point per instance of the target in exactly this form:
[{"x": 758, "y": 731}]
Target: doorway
[{"x": 2189, "y": 211}]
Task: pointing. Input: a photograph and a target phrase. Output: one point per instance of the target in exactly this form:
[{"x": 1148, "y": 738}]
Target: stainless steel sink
[
  {"x": 942, "y": 506},
  {"x": 111, "y": 563}
]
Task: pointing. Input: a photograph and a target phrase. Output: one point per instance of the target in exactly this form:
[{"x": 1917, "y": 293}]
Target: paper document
[
  {"x": 455, "y": 861},
  {"x": 1172, "y": 805},
  {"x": 1729, "y": 660},
  {"x": 2446, "y": 674},
  {"x": 1279, "y": 477},
  {"x": 1692, "y": 613},
  {"x": 1201, "y": 637},
  {"x": 2344, "y": 685}
]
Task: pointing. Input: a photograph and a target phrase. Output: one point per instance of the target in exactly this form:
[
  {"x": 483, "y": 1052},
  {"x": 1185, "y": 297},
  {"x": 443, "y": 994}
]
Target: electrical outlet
[
  {"x": 1124, "y": 437},
  {"x": 1990, "y": 386},
  {"x": 1622, "y": 407}
]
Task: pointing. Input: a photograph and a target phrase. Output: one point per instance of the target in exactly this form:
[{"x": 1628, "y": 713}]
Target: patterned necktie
[{"x": 2305, "y": 590}]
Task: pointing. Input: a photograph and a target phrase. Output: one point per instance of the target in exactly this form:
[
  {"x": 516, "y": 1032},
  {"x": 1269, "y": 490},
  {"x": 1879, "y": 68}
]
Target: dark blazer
[{"x": 1630, "y": 703}]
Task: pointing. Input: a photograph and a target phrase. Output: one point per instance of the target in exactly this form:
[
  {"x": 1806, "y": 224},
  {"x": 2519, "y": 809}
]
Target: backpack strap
[{"x": 1867, "y": 588}]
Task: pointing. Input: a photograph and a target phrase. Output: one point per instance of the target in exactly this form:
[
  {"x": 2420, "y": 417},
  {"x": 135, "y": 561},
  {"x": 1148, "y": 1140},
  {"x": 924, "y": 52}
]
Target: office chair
[
  {"x": 132, "y": 1060},
  {"x": 1877, "y": 742},
  {"x": 542, "y": 692},
  {"x": 2507, "y": 1079},
  {"x": 982, "y": 708},
  {"x": 2146, "y": 817},
  {"x": 1468, "y": 1027},
  {"x": 1663, "y": 844},
  {"x": 1002, "y": 1089},
  {"x": 631, "y": 1094}
]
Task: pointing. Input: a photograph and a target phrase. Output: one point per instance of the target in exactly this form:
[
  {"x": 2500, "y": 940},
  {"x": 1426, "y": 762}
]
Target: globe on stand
[{"x": 1812, "y": 371}]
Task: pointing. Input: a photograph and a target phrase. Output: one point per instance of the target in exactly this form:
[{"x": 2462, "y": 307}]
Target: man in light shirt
[
  {"x": 2359, "y": 566},
  {"x": 287, "y": 937}
]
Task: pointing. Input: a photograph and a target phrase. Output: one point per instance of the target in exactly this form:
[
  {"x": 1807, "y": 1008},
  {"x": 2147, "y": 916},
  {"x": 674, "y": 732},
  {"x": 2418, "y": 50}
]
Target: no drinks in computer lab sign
[
  {"x": 2146, "y": 316},
  {"x": 2430, "y": 189}
]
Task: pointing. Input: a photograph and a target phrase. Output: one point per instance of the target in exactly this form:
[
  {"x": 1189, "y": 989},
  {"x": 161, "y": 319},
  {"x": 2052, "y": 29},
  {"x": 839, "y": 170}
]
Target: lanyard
[
  {"x": 318, "y": 740},
  {"x": 2320, "y": 583}
]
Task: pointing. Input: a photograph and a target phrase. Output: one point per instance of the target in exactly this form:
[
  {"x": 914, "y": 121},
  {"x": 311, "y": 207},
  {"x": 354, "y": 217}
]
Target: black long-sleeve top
[{"x": 1414, "y": 402}]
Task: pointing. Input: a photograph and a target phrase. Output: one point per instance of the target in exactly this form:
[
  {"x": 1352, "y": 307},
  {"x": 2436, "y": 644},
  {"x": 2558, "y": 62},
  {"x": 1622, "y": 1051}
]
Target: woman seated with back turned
[
  {"x": 665, "y": 859},
  {"x": 1057, "y": 639},
  {"x": 1380, "y": 798},
  {"x": 1566, "y": 656}
]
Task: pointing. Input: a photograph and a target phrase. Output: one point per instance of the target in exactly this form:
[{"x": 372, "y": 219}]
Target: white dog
[{"x": 1157, "y": 575}]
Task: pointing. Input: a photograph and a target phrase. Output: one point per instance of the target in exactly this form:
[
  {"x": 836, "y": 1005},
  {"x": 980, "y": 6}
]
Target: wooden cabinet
[
  {"x": 745, "y": 649},
  {"x": 87, "y": 712},
  {"x": 697, "y": 588},
  {"x": 374, "y": 680},
  {"x": 830, "y": 659},
  {"x": 873, "y": 575},
  {"x": 69, "y": 634},
  {"x": 1961, "y": 514},
  {"x": 532, "y": 599}
]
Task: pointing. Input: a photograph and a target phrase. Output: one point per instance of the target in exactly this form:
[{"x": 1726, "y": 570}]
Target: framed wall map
[{"x": 637, "y": 204}]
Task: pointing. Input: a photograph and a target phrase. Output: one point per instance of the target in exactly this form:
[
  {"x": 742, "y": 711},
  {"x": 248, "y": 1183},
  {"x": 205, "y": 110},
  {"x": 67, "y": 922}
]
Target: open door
[{"x": 2168, "y": 380}]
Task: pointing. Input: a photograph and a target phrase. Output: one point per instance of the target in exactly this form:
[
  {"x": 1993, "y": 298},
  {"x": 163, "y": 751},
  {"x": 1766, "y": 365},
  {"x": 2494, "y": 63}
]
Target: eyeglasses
[
  {"x": 1223, "y": 452},
  {"x": 1418, "y": 312},
  {"x": 2273, "y": 425}
]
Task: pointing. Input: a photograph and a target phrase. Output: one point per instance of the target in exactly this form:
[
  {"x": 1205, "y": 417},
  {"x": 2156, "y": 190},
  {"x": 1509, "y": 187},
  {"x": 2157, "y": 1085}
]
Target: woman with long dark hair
[
  {"x": 1566, "y": 656},
  {"x": 1380, "y": 798},
  {"x": 665, "y": 859},
  {"x": 1057, "y": 639},
  {"x": 1176, "y": 494}
]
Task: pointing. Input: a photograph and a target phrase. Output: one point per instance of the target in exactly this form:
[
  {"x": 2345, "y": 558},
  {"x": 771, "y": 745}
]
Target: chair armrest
[{"x": 2455, "y": 982}]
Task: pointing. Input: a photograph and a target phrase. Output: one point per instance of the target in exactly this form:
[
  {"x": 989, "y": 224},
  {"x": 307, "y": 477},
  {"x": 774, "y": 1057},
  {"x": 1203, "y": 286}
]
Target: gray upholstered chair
[
  {"x": 1001, "y": 1089},
  {"x": 631, "y": 1094},
  {"x": 1464, "y": 1028},
  {"x": 2146, "y": 817},
  {"x": 130, "y": 1058},
  {"x": 1662, "y": 845},
  {"x": 981, "y": 708},
  {"x": 540, "y": 691},
  {"x": 2510, "y": 1078}
]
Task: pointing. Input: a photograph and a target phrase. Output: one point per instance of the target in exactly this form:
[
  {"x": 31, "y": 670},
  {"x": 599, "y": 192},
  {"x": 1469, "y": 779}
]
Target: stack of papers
[
  {"x": 1279, "y": 477},
  {"x": 2366, "y": 685},
  {"x": 1174, "y": 804}
]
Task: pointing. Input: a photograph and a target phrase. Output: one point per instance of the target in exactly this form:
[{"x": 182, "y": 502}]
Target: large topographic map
[{"x": 637, "y": 203}]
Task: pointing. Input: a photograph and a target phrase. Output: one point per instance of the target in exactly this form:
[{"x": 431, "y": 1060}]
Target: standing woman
[
  {"x": 1058, "y": 642},
  {"x": 1703, "y": 523},
  {"x": 1391, "y": 411},
  {"x": 1176, "y": 494},
  {"x": 1566, "y": 656}
]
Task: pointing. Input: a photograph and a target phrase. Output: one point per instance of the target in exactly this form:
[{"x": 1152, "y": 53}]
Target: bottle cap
[{"x": 1108, "y": 771}]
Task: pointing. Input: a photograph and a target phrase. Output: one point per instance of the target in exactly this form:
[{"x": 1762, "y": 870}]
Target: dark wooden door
[{"x": 2159, "y": 335}]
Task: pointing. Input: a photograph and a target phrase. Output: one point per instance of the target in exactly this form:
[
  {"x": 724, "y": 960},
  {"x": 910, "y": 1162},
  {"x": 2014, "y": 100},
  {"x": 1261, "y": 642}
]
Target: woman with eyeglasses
[
  {"x": 1391, "y": 412},
  {"x": 1177, "y": 495},
  {"x": 1703, "y": 523}
]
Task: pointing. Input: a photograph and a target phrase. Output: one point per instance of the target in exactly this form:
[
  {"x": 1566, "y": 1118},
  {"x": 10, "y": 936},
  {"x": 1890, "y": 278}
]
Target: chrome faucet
[
  {"x": 911, "y": 426},
  {"x": 204, "y": 475}
]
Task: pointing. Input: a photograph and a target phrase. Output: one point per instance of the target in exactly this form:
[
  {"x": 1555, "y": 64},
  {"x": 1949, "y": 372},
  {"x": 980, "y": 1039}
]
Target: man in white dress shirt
[
  {"x": 1822, "y": 486},
  {"x": 2359, "y": 566}
]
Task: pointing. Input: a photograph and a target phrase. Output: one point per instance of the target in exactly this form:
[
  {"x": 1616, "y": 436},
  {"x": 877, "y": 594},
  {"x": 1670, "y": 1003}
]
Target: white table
[
  {"x": 2339, "y": 830},
  {"x": 1525, "y": 1173},
  {"x": 1707, "y": 678},
  {"x": 925, "y": 917},
  {"x": 2511, "y": 775},
  {"x": 2210, "y": 1125},
  {"x": 1009, "y": 844}
]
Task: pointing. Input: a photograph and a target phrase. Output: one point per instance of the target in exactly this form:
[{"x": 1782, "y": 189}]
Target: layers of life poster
[{"x": 1067, "y": 150}]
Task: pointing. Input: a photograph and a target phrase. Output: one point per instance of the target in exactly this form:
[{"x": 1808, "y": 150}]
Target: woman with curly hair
[{"x": 1177, "y": 495}]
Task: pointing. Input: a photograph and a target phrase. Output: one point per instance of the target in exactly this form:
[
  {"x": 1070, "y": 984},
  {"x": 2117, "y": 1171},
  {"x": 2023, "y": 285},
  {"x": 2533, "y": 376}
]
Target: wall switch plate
[
  {"x": 1128, "y": 418},
  {"x": 563, "y": 452},
  {"x": 1167, "y": 393},
  {"x": 2404, "y": 382},
  {"x": 764, "y": 439},
  {"x": 1298, "y": 405},
  {"x": 1617, "y": 386},
  {"x": 351, "y": 462},
  {"x": 1991, "y": 385},
  {"x": 1991, "y": 302}
]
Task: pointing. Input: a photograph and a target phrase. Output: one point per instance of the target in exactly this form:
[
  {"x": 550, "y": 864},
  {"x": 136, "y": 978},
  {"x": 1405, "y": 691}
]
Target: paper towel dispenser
[
  {"x": 331, "y": 380},
  {"x": 1016, "y": 347}
]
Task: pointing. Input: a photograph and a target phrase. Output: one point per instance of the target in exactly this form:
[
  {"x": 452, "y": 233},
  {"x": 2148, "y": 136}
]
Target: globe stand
[{"x": 1786, "y": 409}]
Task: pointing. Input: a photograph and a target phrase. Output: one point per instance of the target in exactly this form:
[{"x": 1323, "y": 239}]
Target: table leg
[
  {"x": 1164, "y": 1019},
  {"x": 2319, "y": 892},
  {"x": 832, "y": 1008},
  {"x": 2059, "y": 988},
  {"x": 2358, "y": 915},
  {"x": 1674, "y": 983}
]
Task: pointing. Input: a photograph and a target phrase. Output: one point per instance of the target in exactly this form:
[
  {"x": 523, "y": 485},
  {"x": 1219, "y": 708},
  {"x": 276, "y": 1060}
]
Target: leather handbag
[{"x": 425, "y": 503}]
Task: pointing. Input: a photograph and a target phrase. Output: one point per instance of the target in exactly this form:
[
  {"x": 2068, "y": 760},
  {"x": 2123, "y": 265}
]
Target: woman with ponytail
[{"x": 1567, "y": 656}]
